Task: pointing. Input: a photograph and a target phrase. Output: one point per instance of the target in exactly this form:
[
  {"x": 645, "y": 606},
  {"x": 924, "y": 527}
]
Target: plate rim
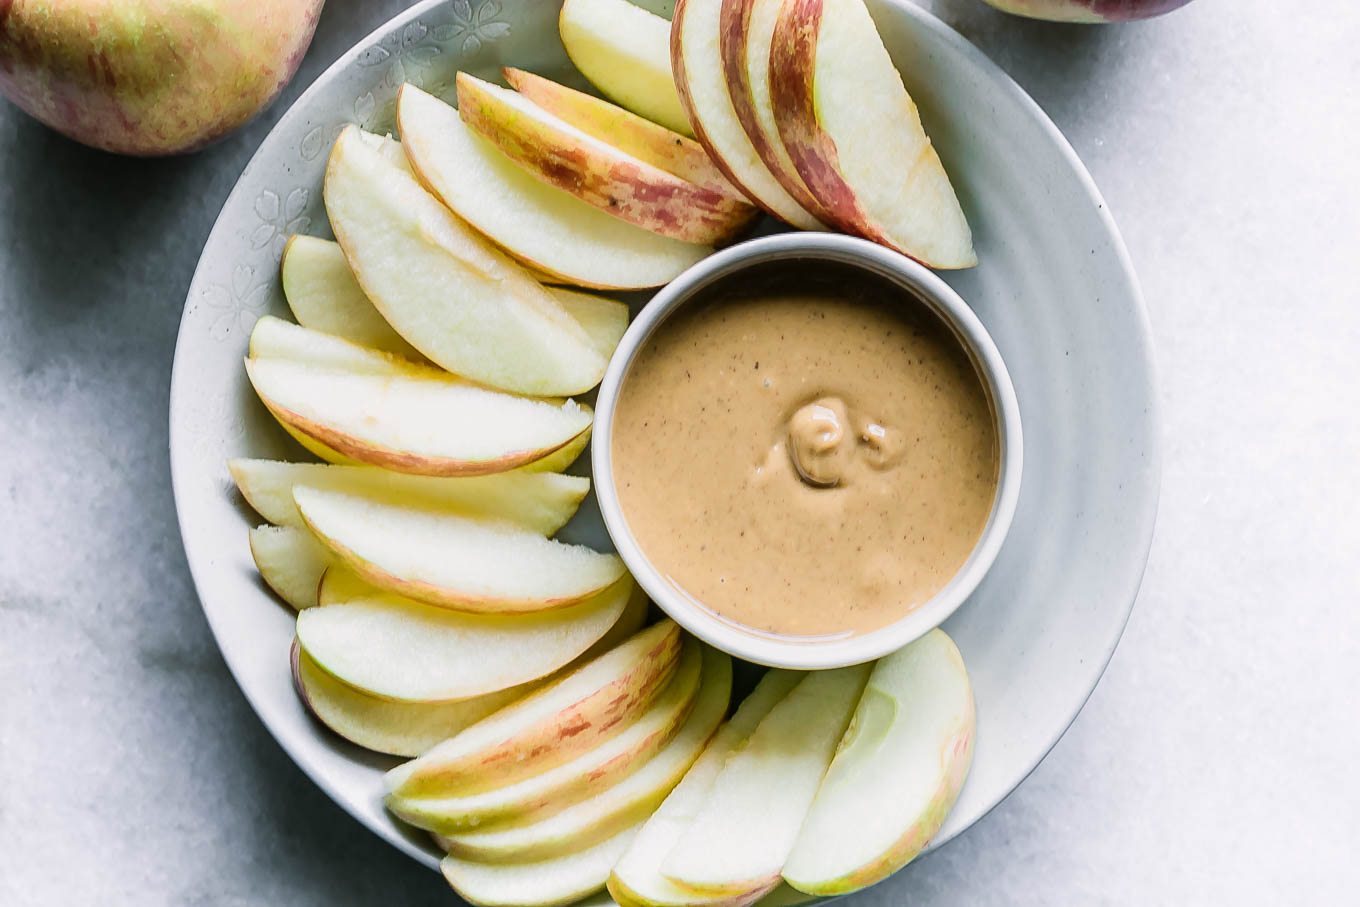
[{"x": 1143, "y": 519}]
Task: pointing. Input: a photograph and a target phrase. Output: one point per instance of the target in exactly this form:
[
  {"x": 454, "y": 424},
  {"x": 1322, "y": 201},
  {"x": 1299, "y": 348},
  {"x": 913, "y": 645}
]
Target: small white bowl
[{"x": 814, "y": 653}]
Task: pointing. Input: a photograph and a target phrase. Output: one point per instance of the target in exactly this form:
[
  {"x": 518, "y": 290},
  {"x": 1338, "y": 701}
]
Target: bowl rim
[{"x": 936, "y": 295}]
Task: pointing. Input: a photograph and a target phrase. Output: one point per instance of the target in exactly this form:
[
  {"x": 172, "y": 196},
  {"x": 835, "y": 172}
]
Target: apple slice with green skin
[
  {"x": 625, "y": 130},
  {"x": 746, "y": 28},
  {"x": 636, "y": 879},
  {"x": 438, "y": 426},
  {"x": 740, "y": 837},
  {"x": 896, "y": 774},
  {"x": 630, "y": 800},
  {"x": 696, "y": 59},
  {"x": 622, "y": 186},
  {"x": 398, "y": 649},
  {"x": 556, "y": 724},
  {"x": 553, "y": 882},
  {"x": 542, "y": 795},
  {"x": 546, "y": 227},
  {"x": 323, "y": 295},
  {"x": 870, "y": 163},
  {"x": 453, "y": 561},
  {"x": 785, "y": 895},
  {"x": 274, "y": 338},
  {"x": 541, "y": 502},
  {"x": 444, "y": 288},
  {"x": 291, "y": 562},
  {"x": 621, "y": 49},
  {"x": 411, "y": 728}
]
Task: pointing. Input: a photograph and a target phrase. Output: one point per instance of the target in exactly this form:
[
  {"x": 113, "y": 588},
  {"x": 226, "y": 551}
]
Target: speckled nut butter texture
[{"x": 806, "y": 453}]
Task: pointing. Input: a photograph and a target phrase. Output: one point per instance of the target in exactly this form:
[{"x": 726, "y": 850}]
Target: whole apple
[
  {"x": 1088, "y": 10},
  {"x": 150, "y": 77}
]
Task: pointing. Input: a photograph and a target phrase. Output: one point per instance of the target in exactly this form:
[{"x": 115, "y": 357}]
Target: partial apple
[
  {"x": 625, "y": 130},
  {"x": 553, "y": 882},
  {"x": 410, "y": 728},
  {"x": 571, "y": 716},
  {"x": 696, "y": 59},
  {"x": 621, "y": 49},
  {"x": 451, "y": 561},
  {"x": 559, "y": 460},
  {"x": 434, "y": 426},
  {"x": 1091, "y": 11},
  {"x": 291, "y": 562},
  {"x": 613, "y": 808},
  {"x": 541, "y": 502},
  {"x": 746, "y": 28},
  {"x": 548, "y": 228},
  {"x": 443, "y": 287},
  {"x": 636, "y": 880},
  {"x": 324, "y": 296},
  {"x": 896, "y": 774},
  {"x": 870, "y": 163},
  {"x": 150, "y": 78},
  {"x": 540, "y": 796},
  {"x": 740, "y": 837},
  {"x": 395, "y": 648},
  {"x": 622, "y": 186}
]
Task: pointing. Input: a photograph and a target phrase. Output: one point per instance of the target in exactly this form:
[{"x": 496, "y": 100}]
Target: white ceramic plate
[{"x": 1055, "y": 290}]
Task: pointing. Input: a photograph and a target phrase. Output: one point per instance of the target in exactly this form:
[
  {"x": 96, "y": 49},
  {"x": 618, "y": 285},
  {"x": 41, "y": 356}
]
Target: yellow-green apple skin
[
  {"x": 625, "y": 130},
  {"x": 870, "y": 163},
  {"x": 896, "y": 774},
  {"x": 1093, "y": 11},
  {"x": 599, "y": 174},
  {"x": 149, "y": 77},
  {"x": 556, "y": 724}
]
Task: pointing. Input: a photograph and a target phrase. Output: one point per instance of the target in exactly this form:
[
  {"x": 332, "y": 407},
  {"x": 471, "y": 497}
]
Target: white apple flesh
[
  {"x": 291, "y": 562},
  {"x": 896, "y": 774}
]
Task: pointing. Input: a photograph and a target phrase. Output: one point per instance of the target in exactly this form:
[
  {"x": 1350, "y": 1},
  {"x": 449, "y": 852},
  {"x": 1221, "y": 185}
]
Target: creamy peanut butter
[{"x": 805, "y": 454}]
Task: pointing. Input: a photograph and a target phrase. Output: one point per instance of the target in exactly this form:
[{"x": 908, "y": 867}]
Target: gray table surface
[{"x": 1214, "y": 764}]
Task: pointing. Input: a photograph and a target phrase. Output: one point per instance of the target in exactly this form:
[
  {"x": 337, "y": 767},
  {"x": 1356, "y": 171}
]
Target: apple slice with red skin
[
  {"x": 870, "y": 162},
  {"x": 558, "y": 723},
  {"x": 621, "y": 185},
  {"x": 746, "y": 28},
  {"x": 696, "y": 61},
  {"x": 625, "y": 130}
]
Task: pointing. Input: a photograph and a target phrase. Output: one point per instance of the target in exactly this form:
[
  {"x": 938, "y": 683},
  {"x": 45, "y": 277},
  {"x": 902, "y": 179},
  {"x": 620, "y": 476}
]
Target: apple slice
[
  {"x": 746, "y": 28},
  {"x": 395, "y": 648},
  {"x": 291, "y": 562},
  {"x": 870, "y": 163},
  {"x": 742, "y": 834},
  {"x": 550, "y": 229},
  {"x": 411, "y": 728},
  {"x": 627, "y": 802},
  {"x": 622, "y": 186},
  {"x": 621, "y": 49},
  {"x": 458, "y": 562},
  {"x": 785, "y": 895},
  {"x": 696, "y": 59},
  {"x": 274, "y": 338},
  {"x": 545, "y": 883},
  {"x": 571, "y": 716},
  {"x": 415, "y": 424},
  {"x": 324, "y": 296},
  {"x": 541, "y": 502},
  {"x": 395, "y": 728},
  {"x": 542, "y": 795},
  {"x": 637, "y": 878},
  {"x": 625, "y": 130},
  {"x": 559, "y": 459},
  {"x": 896, "y": 774},
  {"x": 444, "y": 288},
  {"x": 331, "y": 301}
]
